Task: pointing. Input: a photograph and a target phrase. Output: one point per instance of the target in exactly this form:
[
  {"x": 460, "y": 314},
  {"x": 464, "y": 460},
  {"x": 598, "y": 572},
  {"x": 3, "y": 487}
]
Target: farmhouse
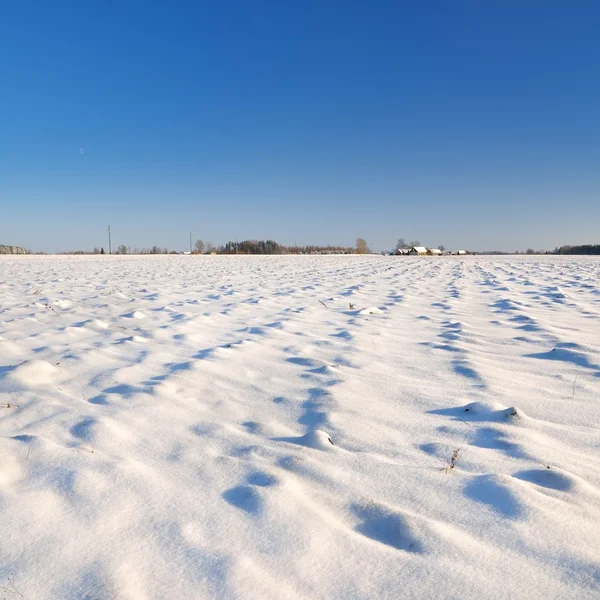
[
  {"x": 434, "y": 252},
  {"x": 418, "y": 250}
]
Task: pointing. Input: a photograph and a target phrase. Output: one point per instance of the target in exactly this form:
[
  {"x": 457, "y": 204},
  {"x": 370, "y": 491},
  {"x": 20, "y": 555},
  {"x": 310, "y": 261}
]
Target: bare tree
[
  {"x": 414, "y": 243},
  {"x": 401, "y": 243},
  {"x": 209, "y": 247},
  {"x": 199, "y": 246},
  {"x": 361, "y": 246},
  {"x": 122, "y": 249},
  {"x": 441, "y": 248}
]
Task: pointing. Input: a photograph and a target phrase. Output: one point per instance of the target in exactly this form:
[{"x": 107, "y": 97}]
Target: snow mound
[
  {"x": 318, "y": 439},
  {"x": 492, "y": 411},
  {"x": 99, "y": 324},
  {"x": 136, "y": 314},
  {"x": 373, "y": 310},
  {"x": 8, "y": 347},
  {"x": 34, "y": 373},
  {"x": 11, "y": 470},
  {"x": 64, "y": 304}
]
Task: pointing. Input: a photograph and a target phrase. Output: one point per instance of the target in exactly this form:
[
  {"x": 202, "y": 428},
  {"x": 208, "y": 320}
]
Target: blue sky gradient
[{"x": 472, "y": 124}]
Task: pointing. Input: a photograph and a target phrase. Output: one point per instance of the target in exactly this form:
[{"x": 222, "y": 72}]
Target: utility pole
[
  {"x": 190, "y": 242},
  {"x": 109, "y": 243}
]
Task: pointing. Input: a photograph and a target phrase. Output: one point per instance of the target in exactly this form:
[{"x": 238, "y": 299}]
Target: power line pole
[
  {"x": 109, "y": 242},
  {"x": 190, "y": 242}
]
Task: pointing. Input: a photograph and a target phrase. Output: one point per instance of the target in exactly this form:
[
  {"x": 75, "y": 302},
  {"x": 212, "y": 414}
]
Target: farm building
[
  {"x": 434, "y": 252},
  {"x": 417, "y": 250},
  {"x": 461, "y": 252}
]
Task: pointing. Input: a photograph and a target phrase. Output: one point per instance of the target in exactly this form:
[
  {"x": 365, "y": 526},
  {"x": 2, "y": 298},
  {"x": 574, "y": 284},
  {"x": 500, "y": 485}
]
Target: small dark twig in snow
[
  {"x": 453, "y": 460},
  {"x": 372, "y": 342},
  {"x": 11, "y": 583},
  {"x": 52, "y": 309},
  {"x": 574, "y": 384}
]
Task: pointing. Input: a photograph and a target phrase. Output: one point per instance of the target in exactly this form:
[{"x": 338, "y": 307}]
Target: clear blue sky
[{"x": 469, "y": 123}]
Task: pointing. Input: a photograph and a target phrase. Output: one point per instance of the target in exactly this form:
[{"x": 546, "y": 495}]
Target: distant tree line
[
  {"x": 273, "y": 247},
  {"x": 243, "y": 247},
  {"x": 252, "y": 247},
  {"x": 122, "y": 249},
  {"x": 12, "y": 250},
  {"x": 585, "y": 249}
]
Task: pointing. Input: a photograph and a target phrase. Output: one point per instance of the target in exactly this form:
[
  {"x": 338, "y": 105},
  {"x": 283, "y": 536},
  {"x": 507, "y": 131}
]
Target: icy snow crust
[{"x": 299, "y": 427}]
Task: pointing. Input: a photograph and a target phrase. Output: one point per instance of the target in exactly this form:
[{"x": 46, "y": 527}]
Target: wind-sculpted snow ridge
[{"x": 299, "y": 427}]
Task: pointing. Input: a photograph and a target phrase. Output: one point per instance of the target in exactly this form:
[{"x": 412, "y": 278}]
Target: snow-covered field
[{"x": 165, "y": 421}]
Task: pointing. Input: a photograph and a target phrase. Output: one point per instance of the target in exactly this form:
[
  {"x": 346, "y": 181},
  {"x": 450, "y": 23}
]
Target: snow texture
[{"x": 299, "y": 427}]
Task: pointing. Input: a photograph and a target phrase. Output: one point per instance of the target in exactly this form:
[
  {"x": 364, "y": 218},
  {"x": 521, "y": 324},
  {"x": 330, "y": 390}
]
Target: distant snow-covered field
[{"x": 330, "y": 427}]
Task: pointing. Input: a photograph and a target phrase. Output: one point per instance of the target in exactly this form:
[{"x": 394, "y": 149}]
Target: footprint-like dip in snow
[
  {"x": 387, "y": 526},
  {"x": 555, "y": 292},
  {"x": 548, "y": 478},
  {"x": 495, "y": 491},
  {"x": 249, "y": 497},
  {"x": 244, "y": 497},
  {"x": 262, "y": 479}
]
